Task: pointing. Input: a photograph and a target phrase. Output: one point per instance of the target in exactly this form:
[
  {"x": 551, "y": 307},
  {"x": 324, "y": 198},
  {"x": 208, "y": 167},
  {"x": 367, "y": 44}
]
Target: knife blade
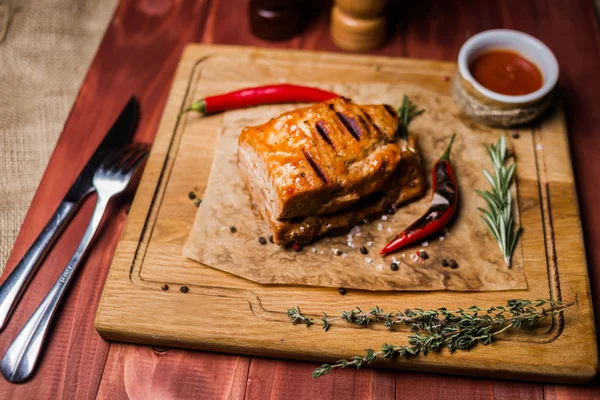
[{"x": 119, "y": 135}]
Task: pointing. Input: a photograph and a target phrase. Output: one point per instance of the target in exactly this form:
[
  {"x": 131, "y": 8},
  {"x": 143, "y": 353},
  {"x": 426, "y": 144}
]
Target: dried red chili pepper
[
  {"x": 270, "y": 94},
  {"x": 443, "y": 206}
]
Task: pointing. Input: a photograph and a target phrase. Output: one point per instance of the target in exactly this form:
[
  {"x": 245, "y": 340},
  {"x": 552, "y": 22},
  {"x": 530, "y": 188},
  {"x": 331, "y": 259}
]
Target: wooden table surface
[{"x": 138, "y": 55}]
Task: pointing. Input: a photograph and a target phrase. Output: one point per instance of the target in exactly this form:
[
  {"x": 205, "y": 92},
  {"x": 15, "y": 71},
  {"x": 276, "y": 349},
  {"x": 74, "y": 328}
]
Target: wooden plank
[
  {"x": 143, "y": 372},
  {"x": 134, "y": 308}
]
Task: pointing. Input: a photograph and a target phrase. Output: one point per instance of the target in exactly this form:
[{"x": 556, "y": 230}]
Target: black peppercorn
[
  {"x": 515, "y": 134},
  {"x": 184, "y": 289},
  {"x": 271, "y": 239},
  {"x": 394, "y": 266},
  {"x": 342, "y": 291},
  {"x": 453, "y": 264},
  {"x": 423, "y": 254},
  {"x": 192, "y": 195},
  {"x": 232, "y": 229},
  {"x": 262, "y": 240},
  {"x": 337, "y": 252},
  {"x": 363, "y": 250},
  {"x": 444, "y": 262},
  {"x": 164, "y": 286}
]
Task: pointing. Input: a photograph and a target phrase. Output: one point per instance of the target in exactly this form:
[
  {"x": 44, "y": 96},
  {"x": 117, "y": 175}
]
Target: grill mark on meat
[
  {"x": 314, "y": 166},
  {"x": 351, "y": 125},
  {"x": 373, "y": 124},
  {"x": 322, "y": 129},
  {"x": 364, "y": 123},
  {"x": 390, "y": 110}
]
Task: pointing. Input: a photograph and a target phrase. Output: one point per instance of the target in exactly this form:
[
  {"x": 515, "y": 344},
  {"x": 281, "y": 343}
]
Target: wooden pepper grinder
[
  {"x": 358, "y": 25},
  {"x": 275, "y": 19}
]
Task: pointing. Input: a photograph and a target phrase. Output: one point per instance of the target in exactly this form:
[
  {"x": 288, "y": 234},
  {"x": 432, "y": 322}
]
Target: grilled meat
[
  {"x": 320, "y": 159},
  {"x": 322, "y": 169},
  {"x": 406, "y": 184}
]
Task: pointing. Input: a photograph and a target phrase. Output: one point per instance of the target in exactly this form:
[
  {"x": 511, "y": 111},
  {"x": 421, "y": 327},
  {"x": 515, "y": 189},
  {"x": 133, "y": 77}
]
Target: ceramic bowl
[{"x": 498, "y": 109}]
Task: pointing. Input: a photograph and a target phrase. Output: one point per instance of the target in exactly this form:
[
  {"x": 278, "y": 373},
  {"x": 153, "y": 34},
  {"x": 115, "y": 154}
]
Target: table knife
[{"x": 119, "y": 135}]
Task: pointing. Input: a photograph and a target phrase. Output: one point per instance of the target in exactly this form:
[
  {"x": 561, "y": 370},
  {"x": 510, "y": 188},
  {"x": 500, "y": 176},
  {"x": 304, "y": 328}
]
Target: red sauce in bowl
[{"x": 506, "y": 72}]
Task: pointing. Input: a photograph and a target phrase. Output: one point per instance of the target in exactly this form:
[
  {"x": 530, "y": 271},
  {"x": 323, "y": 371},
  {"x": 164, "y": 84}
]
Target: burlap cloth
[{"x": 44, "y": 56}]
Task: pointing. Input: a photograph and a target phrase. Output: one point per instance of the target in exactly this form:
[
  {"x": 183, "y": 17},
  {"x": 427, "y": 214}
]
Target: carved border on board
[{"x": 253, "y": 299}]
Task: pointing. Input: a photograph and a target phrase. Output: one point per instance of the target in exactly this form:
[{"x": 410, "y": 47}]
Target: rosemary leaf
[
  {"x": 407, "y": 112},
  {"x": 498, "y": 219}
]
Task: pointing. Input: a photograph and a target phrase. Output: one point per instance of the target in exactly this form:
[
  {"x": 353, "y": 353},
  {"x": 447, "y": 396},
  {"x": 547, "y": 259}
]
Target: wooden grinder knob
[{"x": 358, "y": 25}]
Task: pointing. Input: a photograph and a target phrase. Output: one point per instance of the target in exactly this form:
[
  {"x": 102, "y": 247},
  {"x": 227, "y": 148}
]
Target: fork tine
[
  {"x": 130, "y": 154},
  {"x": 113, "y": 159},
  {"x": 136, "y": 159}
]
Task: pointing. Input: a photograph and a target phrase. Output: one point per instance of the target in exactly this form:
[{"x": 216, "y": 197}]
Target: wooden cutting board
[{"x": 226, "y": 313}]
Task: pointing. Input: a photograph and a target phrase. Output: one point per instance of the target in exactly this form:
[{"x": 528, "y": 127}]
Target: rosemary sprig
[
  {"x": 458, "y": 329},
  {"x": 498, "y": 218},
  {"x": 407, "y": 112}
]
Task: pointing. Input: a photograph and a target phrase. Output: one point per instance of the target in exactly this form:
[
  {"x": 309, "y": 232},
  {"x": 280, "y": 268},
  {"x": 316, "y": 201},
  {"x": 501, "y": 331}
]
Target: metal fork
[{"x": 111, "y": 178}]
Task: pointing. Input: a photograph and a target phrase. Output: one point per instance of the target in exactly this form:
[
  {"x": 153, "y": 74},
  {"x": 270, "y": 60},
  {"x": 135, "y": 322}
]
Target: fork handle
[
  {"x": 13, "y": 287},
  {"x": 21, "y": 357}
]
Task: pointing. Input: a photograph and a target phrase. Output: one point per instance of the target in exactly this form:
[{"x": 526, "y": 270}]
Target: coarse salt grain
[
  {"x": 314, "y": 249},
  {"x": 380, "y": 267},
  {"x": 344, "y": 255},
  {"x": 368, "y": 259},
  {"x": 384, "y": 217},
  {"x": 539, "y": 146},
  {"x": 357, "y": 234},
  {"x": 425, "y": 244},
  {"x": 379, "y": 227},
  {"x": 369, "y": 244},
  {"x": 403, "y": 255},
  {"x": 441, "y": 238},
  {"x": 389, "y": 229}
]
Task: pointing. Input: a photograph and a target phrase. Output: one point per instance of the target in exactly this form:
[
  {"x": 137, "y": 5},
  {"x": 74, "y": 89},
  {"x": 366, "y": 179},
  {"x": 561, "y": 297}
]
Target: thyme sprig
[
  {"x": 407, "y": 112},
  {"x": 498, "y": 218},
  {"x": 459, "y": 329}
]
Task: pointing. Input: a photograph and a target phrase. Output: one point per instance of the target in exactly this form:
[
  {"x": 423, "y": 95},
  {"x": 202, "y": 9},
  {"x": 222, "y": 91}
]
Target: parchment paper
[{"x": 226, "y": 203}]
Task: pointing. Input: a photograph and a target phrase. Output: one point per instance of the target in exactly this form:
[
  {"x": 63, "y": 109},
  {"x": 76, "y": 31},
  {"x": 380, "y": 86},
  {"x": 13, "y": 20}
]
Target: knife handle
[
  {"x": 13, "y": 287},
  {"x": 21, "y": 356}
]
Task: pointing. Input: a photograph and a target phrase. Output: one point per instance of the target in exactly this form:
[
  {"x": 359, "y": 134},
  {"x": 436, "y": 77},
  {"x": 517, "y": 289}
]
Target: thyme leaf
[{"x": 435, "y": 329}]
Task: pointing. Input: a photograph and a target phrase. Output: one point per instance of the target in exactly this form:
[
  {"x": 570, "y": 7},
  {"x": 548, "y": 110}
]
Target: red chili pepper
[
  {"x": 270, "y": 94},
  {"x": 443, "y": 206}
]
